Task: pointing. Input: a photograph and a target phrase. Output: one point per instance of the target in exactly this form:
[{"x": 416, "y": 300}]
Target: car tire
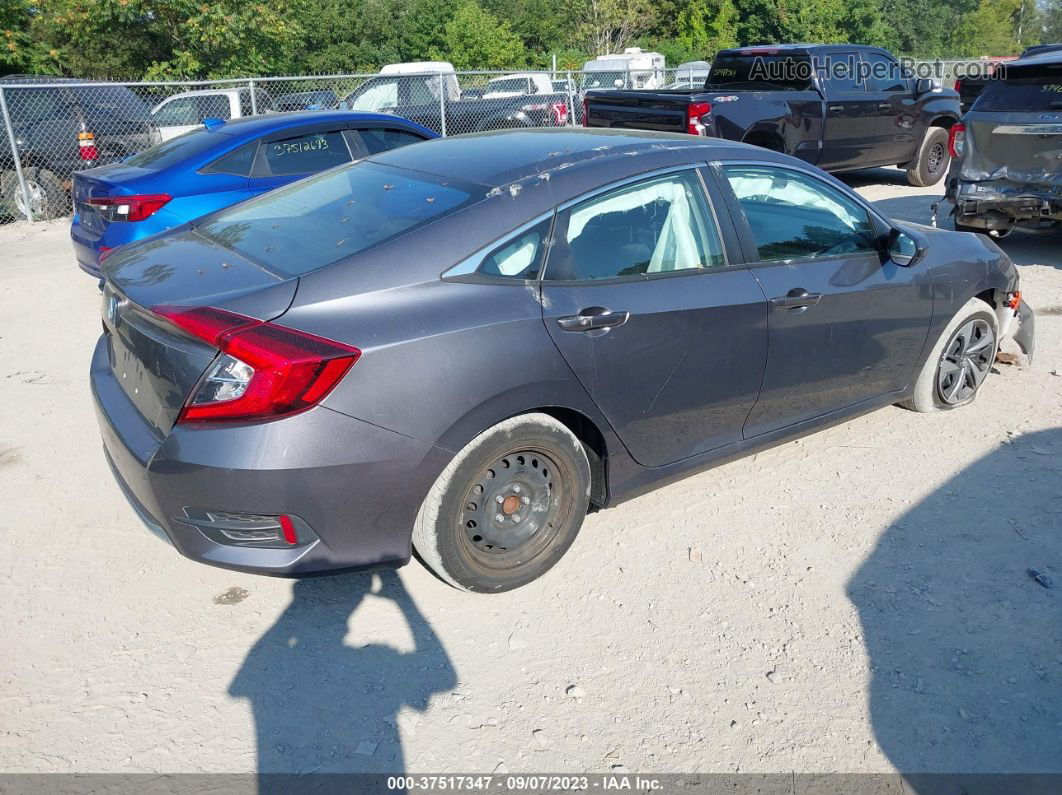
[
  {"x": 507, "y": 507},
  {"x": 933, "y": 159},
  {"x": 964, "y": 338},
  {"x": 48, "y": 200}
]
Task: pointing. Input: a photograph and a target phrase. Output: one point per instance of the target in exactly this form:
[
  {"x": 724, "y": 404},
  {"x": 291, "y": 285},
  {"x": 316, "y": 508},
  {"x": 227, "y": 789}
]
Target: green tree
[
  {"x": 991, "y": 30},
  {"x": 476, "y": 39},
  {"x": 422, "y": 26},
  {"x": 608, "y": 26},
  {"x": 1050, "y": 22},
  {"x": 15, "y": 42},
  {"x": 162, "y": 38},
  {"x": 705, "y": 26}
]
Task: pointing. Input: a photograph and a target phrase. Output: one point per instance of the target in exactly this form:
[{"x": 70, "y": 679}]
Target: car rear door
[
  {"x": 849, "y": 130},
  {"x": 666, "y": 334},
  {"x": 846, "y": 324},
  {"x": 897, "y": 129},
  {"x": 298, "y": 152}
]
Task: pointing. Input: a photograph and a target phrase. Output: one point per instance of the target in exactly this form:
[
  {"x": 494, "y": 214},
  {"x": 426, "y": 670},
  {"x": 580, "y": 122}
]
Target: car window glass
[
  {"x": 658, "y": 226},
  {"x": 518, "y": 258},
  {"x": 263, "y": 100},
  {"x": 191, "y": 144},
  {"x": 378, "y": 95},
  {"x": 32, "y": 105},
  {"x": 883, "y": 74},
  {"x": 794, "y": 216},
  {"x": 423, "y": 90},
  {"x": 238, "y": 162},
  {"x": 1023, "y": 89},
  {"x": 245, "y": 103},
  {"x": 306, "y": 154},
  {"x": 214, "y": 106},
  {"x": 843, "y": 73},
  {"x": 115, "y": 101},
  {"x": 331, "y": 216},
  {"x": 179, "y": 112},
  {"x": 380, "y": 139}
]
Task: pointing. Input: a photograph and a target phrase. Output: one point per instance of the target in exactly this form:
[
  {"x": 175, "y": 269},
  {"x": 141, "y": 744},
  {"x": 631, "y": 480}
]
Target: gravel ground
[{"x": 857, "y": 601}]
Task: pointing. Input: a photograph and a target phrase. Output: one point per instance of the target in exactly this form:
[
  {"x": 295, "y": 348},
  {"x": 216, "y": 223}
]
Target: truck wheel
[
  {"x": 47, "y": 198},
  {"x": 507, "y": 507},
  {"x": 933, "y": 159},
  {"x": 960, "y": 361}
]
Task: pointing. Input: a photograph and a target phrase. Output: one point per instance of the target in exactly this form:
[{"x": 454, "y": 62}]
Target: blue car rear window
[
  {"x": 173, "y": 151},
  {"x": 334, "y": 215}
]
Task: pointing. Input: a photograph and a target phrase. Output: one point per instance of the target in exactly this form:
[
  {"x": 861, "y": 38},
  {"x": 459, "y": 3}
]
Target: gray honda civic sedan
[{"x": 462, "y": 346}]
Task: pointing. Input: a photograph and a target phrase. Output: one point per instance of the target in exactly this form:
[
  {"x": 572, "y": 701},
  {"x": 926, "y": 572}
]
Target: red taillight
[
  {"x": 956, "y": 139},
  {"x": 265, "y": 370},
  {"x": 287, "y": 528},
  {"x": 560, "y": 113},
  {"x": 129, "y": 208},
  {"x": 694, "y": 112},
  {"x": 958, "y": 86},
  {"x": 86, "y": 146},
  {"x": 586, "y": 111}
]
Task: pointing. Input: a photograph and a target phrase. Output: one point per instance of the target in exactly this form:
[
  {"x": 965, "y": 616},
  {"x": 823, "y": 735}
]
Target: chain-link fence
[{"x": 53, "y": 127}]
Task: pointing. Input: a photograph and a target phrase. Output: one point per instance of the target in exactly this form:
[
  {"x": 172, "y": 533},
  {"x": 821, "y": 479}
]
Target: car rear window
[
  {"x": 168, "y": 153},
  {"x": 761, "y": 72},
  {"x": 116, "y": 101},
  {"x": 334, "y": 215},
  {"x": 1024, "y": 89}
]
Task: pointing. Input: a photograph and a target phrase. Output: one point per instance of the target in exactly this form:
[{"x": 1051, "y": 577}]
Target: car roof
[
  {"x": 1043, "y": 59},
  {"x": 803, "y": 47},
  {"x": 501, "y": 158},
  {"x": 253, "y": 126}
]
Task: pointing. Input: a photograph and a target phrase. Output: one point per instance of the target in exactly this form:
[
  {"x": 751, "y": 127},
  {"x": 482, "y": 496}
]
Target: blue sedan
[{"x": 217, "y": 166}]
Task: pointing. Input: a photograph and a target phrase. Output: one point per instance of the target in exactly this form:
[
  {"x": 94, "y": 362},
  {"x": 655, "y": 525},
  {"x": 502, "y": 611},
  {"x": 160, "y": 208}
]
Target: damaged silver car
[{"x": 1007, "y": 166}]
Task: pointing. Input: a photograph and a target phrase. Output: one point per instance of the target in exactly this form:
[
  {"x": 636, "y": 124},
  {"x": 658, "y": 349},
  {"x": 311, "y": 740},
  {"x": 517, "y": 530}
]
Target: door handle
[
  {"x": 836, "y": 108},
  {"x": 796, "y": 298},
  {"x": 884, "y": 106},
  {"x": 592, "y": 318}
]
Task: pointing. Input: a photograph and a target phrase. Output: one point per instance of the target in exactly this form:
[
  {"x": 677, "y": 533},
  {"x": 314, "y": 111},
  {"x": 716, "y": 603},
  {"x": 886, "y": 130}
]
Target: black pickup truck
[{"x": 840, "y": 107}]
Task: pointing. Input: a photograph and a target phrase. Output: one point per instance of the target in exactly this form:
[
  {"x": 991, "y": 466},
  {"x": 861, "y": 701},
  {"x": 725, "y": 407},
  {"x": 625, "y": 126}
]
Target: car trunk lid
[
  {"x": 156, "y": 364},
  {"x": 663, "y": 111},
  {"x": 1022, "y": 148},
  {"x": 114, "y": 180}
]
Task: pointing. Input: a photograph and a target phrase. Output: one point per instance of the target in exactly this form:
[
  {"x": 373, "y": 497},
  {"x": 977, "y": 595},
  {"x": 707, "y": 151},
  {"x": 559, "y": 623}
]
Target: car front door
[
  {"x": 298, "y": 152},
  {"x": 666, "y": 334},
  {"x": 846, "y": 323}
]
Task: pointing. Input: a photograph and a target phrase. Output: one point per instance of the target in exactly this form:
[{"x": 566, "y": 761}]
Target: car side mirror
[
  {"x": 924, "y": 85},
  {"x": 903, "y": 249}
]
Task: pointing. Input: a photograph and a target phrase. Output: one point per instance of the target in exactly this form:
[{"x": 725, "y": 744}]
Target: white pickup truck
[{"x": 184, "y": 112}]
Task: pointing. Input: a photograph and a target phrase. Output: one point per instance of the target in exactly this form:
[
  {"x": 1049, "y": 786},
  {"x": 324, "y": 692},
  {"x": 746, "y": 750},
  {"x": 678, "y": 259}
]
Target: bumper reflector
[{"x": 249, "y": 529}]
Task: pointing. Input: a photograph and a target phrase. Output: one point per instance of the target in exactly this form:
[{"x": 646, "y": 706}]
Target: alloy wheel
[{"x": 966, "y": 361}]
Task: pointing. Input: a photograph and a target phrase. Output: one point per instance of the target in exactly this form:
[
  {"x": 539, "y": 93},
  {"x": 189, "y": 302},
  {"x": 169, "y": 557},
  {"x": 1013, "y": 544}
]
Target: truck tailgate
[{"x": 664, "y": 111}]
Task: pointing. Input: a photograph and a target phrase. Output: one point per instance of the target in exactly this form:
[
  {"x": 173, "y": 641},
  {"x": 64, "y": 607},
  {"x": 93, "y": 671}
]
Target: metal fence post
[
  {"x": 442, "y": 101},
  {"x": 14, "y": 155},
  {"x": 254, "y": 99},
  {"x": 571, "y": 99}
]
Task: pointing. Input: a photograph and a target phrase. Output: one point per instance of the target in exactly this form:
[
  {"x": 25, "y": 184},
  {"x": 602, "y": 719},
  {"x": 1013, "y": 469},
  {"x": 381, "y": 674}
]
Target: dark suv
[{"x": 63, "y": 125}]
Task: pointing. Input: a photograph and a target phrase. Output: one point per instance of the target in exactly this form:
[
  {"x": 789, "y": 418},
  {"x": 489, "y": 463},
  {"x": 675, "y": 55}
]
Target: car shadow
[
  {"x": 322, "y": 705},
  {"x": 964, "y": 643}
]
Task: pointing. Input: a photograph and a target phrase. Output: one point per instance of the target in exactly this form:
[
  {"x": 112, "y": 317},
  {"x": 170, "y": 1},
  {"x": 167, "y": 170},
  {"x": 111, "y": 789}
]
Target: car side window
[
  {"x": 373, "y": 140},
  {"x": 793, "y": 215},
  {"x": 238, "y": 162},
  {"x": 214, "y": 106},
  {"x": 178, "y": 113},
  {"x": 520, "y": 257},
  {"x": 883, "y": 74},
  {"x": 305, "y": 154},
  {"x": 843, "y": 73},
  {"x": 658, "y": 226}
]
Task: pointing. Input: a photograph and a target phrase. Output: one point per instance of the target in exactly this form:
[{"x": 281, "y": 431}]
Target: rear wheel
[
  {"x": 47, "y": 199},
  {"x": 960, "y": 361},
  {"x": 933, "y": 159},
  {"x": 507, "y": 507}
]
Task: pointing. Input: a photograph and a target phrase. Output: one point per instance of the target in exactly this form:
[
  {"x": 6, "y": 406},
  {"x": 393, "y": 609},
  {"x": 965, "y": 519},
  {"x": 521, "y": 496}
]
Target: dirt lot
[{"x": 856, "y": 601}]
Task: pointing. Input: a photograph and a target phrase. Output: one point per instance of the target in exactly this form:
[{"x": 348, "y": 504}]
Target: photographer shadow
[{"x": 321, "y": 705}]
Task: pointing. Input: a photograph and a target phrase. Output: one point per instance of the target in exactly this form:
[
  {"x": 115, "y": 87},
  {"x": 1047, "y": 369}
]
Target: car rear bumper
[
  {"x": 1025, "y": 336},
  {"x": 355, "y": 487}
]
